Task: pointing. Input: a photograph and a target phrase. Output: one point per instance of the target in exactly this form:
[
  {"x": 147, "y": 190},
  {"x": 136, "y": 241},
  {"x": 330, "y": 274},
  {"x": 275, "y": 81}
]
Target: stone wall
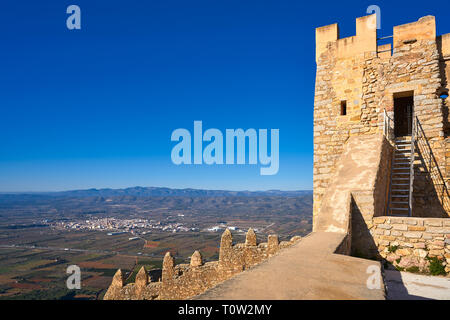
[
  {"x": 370, "y": 203},
  {"x": 339, "y": 77},
  {"x": 357, "y": 190},
  {"x": 368, "y": 78},
  {"x": 407, "y": 242},
  {"x": 184, "y": 281}
]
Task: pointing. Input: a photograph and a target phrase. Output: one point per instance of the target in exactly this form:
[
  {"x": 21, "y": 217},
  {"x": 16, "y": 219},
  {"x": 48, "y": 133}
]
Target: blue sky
[{"x": 96, "y": 107}]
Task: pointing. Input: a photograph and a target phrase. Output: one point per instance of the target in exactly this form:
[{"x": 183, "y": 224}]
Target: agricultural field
[
  {"x": 35, "y": 268},
  {"x": 40, "y": 236}
]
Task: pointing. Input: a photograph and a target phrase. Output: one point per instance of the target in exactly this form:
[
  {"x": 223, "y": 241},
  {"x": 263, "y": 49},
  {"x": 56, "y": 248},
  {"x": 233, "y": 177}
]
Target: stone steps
[{"x": 400, "y": 177}]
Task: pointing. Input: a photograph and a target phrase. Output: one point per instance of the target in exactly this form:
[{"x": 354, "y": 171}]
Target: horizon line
[{"x": 187, "y": 188}]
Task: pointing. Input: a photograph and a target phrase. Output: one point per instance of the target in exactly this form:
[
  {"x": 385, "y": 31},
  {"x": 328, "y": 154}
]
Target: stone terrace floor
[
  {"x": 409, "y": 286},
  {"x": 307, "y": 270}
]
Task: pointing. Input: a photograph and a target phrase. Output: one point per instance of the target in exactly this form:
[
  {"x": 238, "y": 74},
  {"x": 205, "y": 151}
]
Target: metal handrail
[
  {"x": 423, "y": 142},
  {"x": 411, "y": 165},
  {"x": 386, "y": 133},
  {"x": 419, "y": 142},
  {"x": 386, "y": 37},
  {"x": 387, "y": 128}
]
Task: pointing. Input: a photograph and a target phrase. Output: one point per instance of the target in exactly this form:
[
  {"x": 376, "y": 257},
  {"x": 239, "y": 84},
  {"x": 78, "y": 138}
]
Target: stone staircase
[{"x": 399, "y": 204}]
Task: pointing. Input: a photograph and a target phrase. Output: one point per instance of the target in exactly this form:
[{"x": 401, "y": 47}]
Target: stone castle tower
[{"x": 398, "y": 90}]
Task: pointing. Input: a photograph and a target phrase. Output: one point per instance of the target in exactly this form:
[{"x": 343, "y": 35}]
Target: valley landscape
[{"x": 101, "y": 230}]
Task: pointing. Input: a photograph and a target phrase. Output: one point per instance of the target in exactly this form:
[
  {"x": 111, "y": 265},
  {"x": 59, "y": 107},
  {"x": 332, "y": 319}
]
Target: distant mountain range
[{"x": 153, "y": 192}]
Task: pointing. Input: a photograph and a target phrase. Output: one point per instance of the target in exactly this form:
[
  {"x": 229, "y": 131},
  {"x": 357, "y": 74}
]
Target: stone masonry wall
[
  {"x": 184, "y": 281},
  {"x": 407, "y": 242},
  {"x": 369, "y": 203},
  {"x": 360, "y": 181},
  {"x": 339, "y": 77}
]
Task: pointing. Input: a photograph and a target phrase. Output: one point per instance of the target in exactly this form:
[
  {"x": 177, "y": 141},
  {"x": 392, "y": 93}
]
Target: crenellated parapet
[
  {"x": 184, "y": 281},
  {"x": 365, "y": 40}
]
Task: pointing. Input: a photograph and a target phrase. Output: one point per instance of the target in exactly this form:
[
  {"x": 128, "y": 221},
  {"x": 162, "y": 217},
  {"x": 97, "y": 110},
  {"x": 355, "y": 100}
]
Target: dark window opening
[
  {"x": 343, "y": 108},
  {"x": 403, "y": 113}
]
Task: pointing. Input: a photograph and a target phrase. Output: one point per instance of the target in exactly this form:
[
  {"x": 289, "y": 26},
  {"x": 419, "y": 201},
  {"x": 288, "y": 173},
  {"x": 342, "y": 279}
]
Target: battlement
[
  {"x": 444, "y": 41},
  {"x": 184, "y": 281},
  {"x": 422, "y": 29},
  {"x": 365, "y": 39}
]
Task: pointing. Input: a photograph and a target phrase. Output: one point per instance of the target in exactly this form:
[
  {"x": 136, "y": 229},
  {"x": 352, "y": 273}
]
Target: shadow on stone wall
[
  {"x": 430, "y": 193},
  {"x": 395, "y": 287},
  {"x": 363, "y": 245},
  {"x": 444, "y": 88}
]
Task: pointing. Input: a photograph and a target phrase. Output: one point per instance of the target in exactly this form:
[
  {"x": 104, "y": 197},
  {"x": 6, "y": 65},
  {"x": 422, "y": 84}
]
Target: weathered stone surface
[
  {"x": 168, "y": 267},
  {"x": 273, "y": 243},
  {"x": 403, "y": 252},
  {"x": 141, "y": 277},
  {"x": 400, "y": 227},
  {"x": 420, "y": 245},
  {"x": 250, "y": 239},
  {"x": 196, "y": 259},
  {"x": 420, "y": 241},
  {"x": 433, "y": 223},
  {"x": 117, "y": 279},
  {"x": 420, "y": 253},
  {"x": 414, "y": 228},
  {"x": 416, "y": 235},
  {"x": 114, "y": 291},
  {"x": 379, "y": 220},
  {"x": 227, "y": 239},
  {"x": 413, "y": 261}
]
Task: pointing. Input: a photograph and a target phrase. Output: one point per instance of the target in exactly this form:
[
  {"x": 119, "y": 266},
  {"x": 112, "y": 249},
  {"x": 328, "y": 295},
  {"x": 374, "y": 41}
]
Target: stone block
[
  {"x": 433, "y": 222},
  {"x": 410, "y": 221},
  {"x": 420, "y": 253},
  {"x": 427, "y": 236},
  {"x": 436, "y": 253},
  {"x": 403, "y": 252},
  {"x": 401, "y": 227},
  {"x": 379, "y": 220},
  {"x": 416, "y": 235},
  {"x": 420, "y": 245},
  {"x": 396, "y": 220},
  {"x": 436, "y": 230},
  {"x": 416, "y": 228}
]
